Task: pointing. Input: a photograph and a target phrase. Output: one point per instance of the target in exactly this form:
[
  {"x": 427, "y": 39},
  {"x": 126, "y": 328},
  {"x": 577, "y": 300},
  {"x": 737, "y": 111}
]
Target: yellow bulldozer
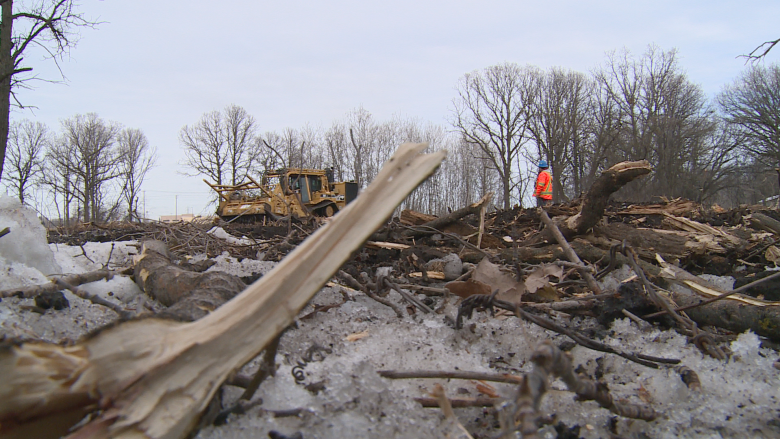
[{"x": 295, "y": 192}]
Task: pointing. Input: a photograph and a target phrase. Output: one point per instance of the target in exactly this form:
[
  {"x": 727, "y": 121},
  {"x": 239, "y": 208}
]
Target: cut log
[
  {"x": 187, "y": 294},
  {"x": 609, "y": 182},
  {"x": 152, "y": 378}
]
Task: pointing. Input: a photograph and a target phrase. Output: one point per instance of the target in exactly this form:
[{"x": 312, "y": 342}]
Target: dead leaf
[
  {"x": 772, "y": 254},
  {"x": 468, "y": 288},
  {"x": 357, "y": 336},
  {"x": 540, "y": 277},
  {"x": 486, "y": 389},
  {"x": 508, "y": 288}
]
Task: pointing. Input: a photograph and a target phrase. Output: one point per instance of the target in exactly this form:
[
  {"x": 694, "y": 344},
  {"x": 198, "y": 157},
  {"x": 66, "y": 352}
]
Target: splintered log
[
  {"x": 444, "y": 221},
  {"x": 735, "y": 313},
  {"x": 152, "y": 378},
  {"x": 595, "y": 201},
  {"x": 764, "y": 222}
]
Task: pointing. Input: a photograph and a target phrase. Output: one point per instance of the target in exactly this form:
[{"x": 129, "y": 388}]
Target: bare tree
[
  {"x": 93, "y": 159},
  {"x": 558, "y": 122},
  {"x": 49, "y": 25},
  {"x": 659, "y": 116},
  {"x": 362, "y": 136},
  {"x": 336, "y": 141},
  {"x": 27, "y": 143},
  {"x": 492, "y": 112},
  {"x": 240, "y": 137},
  {"x": 205, "y": 147},
  {"x": 752, "y": 105},
  {"x": 60, "y": 178},
  {"x": 136, "y": 159}
]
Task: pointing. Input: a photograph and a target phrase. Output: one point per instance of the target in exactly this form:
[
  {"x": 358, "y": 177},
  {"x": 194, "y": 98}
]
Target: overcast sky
[{"x": 159, "y": 65}]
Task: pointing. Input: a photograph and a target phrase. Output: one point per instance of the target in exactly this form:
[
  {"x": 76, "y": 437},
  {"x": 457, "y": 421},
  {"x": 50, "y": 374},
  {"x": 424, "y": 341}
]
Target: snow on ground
[{"x": 739, "y": 397}]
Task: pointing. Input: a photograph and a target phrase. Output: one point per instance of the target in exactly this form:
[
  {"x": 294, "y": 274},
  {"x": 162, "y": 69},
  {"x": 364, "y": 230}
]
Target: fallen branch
[
  {"x": 460, "y": 375},
  {"x": 444, "y": 221},
  {"x": 152, "y": 378},
  {"x": 609, "y": 182},
  {"x": 569, "y": 252},
  {"x": 94, "y": 298},
  {"x": 549, "y": 360},
  {"x": 51, "y": 287}
]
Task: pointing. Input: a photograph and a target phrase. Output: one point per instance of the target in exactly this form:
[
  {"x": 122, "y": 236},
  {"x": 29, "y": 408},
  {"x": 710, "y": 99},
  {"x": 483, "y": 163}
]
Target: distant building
[{"x": 187, "y": 217}]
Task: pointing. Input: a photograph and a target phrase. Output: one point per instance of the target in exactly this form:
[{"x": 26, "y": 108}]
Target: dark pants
[{"x": 541, "y": 202}]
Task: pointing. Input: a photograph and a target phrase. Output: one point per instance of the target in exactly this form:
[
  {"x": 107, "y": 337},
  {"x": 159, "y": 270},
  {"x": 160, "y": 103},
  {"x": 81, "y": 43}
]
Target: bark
[
  {"x": 6, "y": 75},
  {"x": 153, "y": 378},
  {"x": 732, "y": 315}
]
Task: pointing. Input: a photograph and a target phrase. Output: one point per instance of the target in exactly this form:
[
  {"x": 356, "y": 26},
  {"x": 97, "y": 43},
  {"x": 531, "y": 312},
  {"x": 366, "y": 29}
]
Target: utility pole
[
  {"x": 177, "y": 207},
  {"x": 145, "y": 212}
]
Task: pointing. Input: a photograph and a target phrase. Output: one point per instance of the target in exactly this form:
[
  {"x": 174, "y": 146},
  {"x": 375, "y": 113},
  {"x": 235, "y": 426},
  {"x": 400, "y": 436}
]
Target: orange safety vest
[{"x": 544, "y": 185}]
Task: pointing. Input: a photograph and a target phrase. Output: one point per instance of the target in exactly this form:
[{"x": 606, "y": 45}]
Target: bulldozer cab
[{"x": 306, "y": 185}]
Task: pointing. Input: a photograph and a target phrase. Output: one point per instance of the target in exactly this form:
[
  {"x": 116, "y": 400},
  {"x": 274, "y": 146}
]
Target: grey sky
[{"x": 158, "y": 65}]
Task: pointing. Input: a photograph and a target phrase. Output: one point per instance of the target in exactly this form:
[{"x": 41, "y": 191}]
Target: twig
[
  {"x": 84, "y": 252},
  {"x": 267, "y": 368},
  {"x": 5, "y": 231},
  {"x": 446, "y": 408},
  {"x": 641, "y": 323},
  {"x": 568, "y": 251},
  {"x": 551, "y": 359},
  {"x": 93, "y": 298},
  {"x": 702, "y": 339},
  {"x": 458, "y": 402},
  {"x": 353, "y": 283},
  {"x": 72, "y": 279},
  {"x": 408, "y": 297},
  {"x": 483, "y": 301},
  {"x": 460, "y": 375},
  {"x": 722, "y": 296}
]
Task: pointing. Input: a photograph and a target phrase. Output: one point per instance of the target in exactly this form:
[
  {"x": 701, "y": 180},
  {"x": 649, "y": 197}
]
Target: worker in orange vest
[{"x": 543, "y": 191}]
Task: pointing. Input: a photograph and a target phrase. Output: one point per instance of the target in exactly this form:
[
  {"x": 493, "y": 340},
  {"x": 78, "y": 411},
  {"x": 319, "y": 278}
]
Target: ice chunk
[{"x": 26, "y": 244}]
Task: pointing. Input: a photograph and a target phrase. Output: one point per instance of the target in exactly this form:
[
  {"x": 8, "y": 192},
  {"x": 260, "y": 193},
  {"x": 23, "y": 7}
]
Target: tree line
[
  {"x": 503, "y": 120},
  {"x": 91, "y": 170},
  {"x": 507, "y": 117}
]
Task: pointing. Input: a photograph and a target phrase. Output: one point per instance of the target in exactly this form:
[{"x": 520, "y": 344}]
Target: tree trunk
[{"x": 6, "y": 75}]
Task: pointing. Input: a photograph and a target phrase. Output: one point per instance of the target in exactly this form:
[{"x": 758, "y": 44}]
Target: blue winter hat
[{"x": 543, "y": 163}]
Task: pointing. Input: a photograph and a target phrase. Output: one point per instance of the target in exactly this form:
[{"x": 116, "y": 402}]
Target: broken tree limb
[
  {"x": 764, "y": 222},
  {"x": 609, "y": 182},
  {"x": 153, "y": 378},
  {"x": 569, "y": 252},
  {"x": 51, "y": 287},
  {"x": 188, "y": 295},
  {"x": 94, "y": 298},
  {"x": 733, "y": 315},
  {"x": 443, "y": 221}
]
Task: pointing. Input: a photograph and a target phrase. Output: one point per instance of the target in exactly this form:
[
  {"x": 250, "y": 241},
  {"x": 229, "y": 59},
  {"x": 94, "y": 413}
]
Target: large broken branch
[
  {"x": 153, "y": 378},
  {"x": 443, "y": 221},
  {"x": 609, "y": 182}
]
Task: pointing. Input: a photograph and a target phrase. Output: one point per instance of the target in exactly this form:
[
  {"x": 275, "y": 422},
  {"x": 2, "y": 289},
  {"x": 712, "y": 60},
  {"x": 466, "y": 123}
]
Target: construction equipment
[{"x": 283, "y": 192}]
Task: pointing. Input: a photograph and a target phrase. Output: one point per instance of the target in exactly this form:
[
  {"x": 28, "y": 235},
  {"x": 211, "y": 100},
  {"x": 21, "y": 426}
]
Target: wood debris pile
[{"x": 541, "y": 266}]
